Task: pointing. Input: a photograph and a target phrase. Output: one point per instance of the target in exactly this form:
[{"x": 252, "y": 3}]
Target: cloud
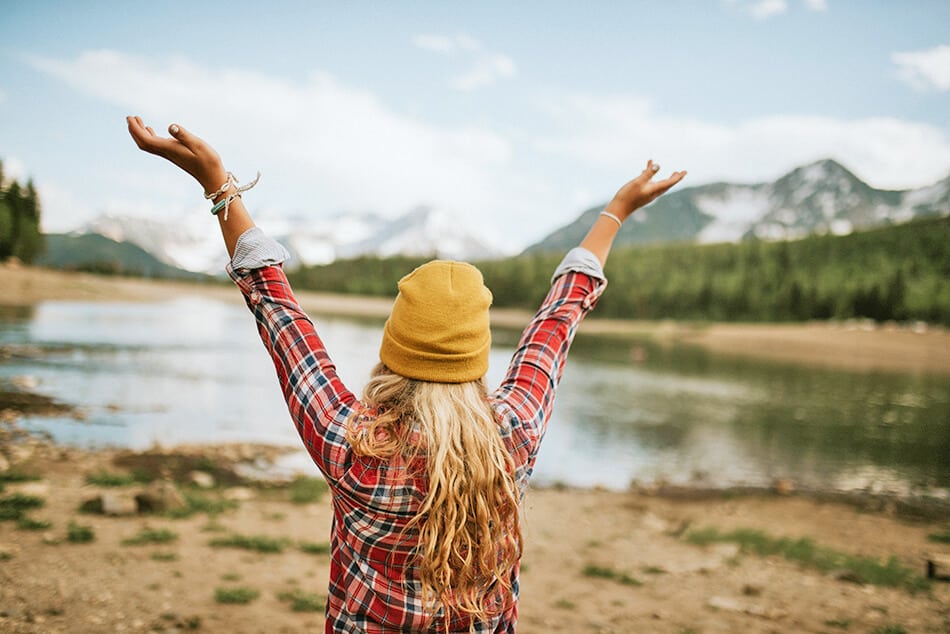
[
  {"x": 925, "y": 70},
  {"x": 486, "y": 68},
  {"x": 817, "y": 5},
  {"x": 606, "y": 132},
  {"x": 323, "y": 145},
  {"x": 759, "y": 9}
]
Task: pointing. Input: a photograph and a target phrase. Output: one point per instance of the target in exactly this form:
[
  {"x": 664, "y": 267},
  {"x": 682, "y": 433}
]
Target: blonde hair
[{"x": 468, "y": 524}]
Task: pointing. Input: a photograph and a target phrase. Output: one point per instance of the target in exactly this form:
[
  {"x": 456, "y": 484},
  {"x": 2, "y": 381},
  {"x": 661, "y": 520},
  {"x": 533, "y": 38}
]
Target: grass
[
  {"x": 807, "y": 553},
  {"x": 238, "y": 595},
  {"x": 315, "y": 548},
  {"x": 304, "y": 490},
  {"x": 230, "y": 576},
  {"x": 841, "y": 624},
  {"x": 17, "y": 476},
  {"x": 653, "y": 570},
  {"x": 256, "y": 543},
  {"x": 151, "y": 536},
  {"x": 939, "y": 538},
  {"x": 601, "y": 572},
  {"x": 889, "y": 629},
  {"x": 116, "y": 479},
  {"x": 198, "y": 503},
  {"x": 13, "y": 507},
  {"x": 301, "y": 601},
  {"x": 79, "y": 534},
  {"x": 30, "y": 524},
  {"x": 164, "y": 556}
]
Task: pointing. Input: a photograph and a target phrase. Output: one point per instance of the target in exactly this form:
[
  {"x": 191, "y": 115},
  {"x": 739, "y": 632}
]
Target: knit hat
[{"x": 438, "y": 329}]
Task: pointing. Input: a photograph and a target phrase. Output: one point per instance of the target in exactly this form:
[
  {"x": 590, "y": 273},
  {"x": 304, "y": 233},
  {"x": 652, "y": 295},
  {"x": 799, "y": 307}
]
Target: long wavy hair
[{"x": 468, "y": 524}]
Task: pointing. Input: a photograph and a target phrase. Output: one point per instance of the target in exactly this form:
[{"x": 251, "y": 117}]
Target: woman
[{"x": 428, "y": 469}]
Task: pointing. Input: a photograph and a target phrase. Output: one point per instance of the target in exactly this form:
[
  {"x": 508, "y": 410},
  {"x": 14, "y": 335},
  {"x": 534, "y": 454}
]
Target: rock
[
  {"x": 4, "y": 463},
  {"x": 653, "y": 523},
  {"x": 726, "y": 603},
  {"x": 202, "y": 479},
  {"x": 845, "y": 574},
  {"x": 160, "y": 496},
  {"x": 118, "y": 503},
  {"x": 783, "y": 486},
  {"x": 36, "y": 489},
  {"x": 239, "y": 494}
]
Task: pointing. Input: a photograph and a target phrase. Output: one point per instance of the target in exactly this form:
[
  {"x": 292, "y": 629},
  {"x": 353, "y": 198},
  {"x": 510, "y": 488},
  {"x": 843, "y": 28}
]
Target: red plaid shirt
[{"x": 372, "y": 587}]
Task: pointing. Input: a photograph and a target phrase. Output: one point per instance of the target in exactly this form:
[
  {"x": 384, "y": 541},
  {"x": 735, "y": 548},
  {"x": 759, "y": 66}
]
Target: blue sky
[{"x": 511, "y": 116}]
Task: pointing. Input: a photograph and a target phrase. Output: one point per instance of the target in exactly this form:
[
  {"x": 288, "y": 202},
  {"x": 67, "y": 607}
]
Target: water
[{"x": 194, "y": 371}]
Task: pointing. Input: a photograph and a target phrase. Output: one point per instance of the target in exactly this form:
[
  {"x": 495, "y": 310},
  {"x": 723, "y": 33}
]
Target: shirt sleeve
[
  {"x": 319, "y": 403},
  {"x": 527, "y": 392},
  {"x": 255, "y": 250}
]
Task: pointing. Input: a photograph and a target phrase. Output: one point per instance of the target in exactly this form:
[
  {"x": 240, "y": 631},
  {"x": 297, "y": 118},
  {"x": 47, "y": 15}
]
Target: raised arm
[
  {"x": 527, "y": 392},
  {"x": 202, "y": 162},
  {"x": 634, "y": 194}
]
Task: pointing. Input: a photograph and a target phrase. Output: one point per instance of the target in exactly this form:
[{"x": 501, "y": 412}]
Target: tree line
[
  {"x": 899, "y": 273},
  {"x": 20, "y": 235}
]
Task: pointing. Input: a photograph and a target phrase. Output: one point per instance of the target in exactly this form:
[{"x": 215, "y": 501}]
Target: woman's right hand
[
  {"x": 641, "y": 191},
  {"x": 184, "y": 149}
]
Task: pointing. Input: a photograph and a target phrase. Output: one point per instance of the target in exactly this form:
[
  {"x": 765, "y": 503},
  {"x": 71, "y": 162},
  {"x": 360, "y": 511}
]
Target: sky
[{"x": 512, "y": 117}]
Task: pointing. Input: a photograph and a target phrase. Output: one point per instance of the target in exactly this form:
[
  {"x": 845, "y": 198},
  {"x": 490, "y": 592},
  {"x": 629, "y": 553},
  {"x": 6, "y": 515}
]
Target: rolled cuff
[
  {"x": 255, "y": 250},
  {"x": 581, "y": 260}
]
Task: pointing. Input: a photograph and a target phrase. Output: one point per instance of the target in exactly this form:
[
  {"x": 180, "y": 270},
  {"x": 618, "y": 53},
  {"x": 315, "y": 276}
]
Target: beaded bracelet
[{"x": 224, "y": 203}]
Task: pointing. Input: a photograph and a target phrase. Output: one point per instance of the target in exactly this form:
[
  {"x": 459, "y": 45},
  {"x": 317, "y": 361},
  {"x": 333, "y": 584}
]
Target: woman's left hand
[{"x": 184, "y": 149}]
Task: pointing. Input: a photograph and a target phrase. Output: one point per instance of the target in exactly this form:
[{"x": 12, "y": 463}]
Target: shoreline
[{"x": 857, "y": 345}]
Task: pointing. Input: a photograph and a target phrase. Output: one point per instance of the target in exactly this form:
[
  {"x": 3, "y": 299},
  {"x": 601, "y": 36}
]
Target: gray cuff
[
  {"x": 581, "y": 260},
  {"x": 254, "y": 250}
]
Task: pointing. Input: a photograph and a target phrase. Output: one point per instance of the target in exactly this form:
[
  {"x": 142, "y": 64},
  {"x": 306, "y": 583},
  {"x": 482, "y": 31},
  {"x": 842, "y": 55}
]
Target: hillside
[
  {"x": 99, "y": 254},
  {"x": 824, "y": 197}
]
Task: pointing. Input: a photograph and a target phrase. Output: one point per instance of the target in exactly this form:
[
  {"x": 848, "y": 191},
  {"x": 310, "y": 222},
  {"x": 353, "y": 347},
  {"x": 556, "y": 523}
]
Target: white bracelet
[{"x": 612, "y": 217}]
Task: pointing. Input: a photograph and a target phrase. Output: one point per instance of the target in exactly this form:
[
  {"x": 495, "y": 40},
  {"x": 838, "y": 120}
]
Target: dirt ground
[
  {"x": 854, "y": 345},
  {"x": 595, "y": 561}
]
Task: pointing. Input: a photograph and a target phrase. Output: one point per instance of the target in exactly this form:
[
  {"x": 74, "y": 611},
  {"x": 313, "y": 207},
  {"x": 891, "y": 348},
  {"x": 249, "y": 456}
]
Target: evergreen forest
[
  {"x": 20, "y": 235},
  {"x": 899, "y": 273}
]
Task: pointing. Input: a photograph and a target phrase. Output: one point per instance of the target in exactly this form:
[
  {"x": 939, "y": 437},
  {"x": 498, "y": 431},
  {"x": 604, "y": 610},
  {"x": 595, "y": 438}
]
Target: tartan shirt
[{"x": 373, "y": 588}]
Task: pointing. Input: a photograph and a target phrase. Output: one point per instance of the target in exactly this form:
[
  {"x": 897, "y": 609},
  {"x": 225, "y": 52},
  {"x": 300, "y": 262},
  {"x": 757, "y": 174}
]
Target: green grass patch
[
  {"x": 939, "y": 538},
  {"x": 115, "y": 479},
  {"x": 5, "y": 556},
  {"x": 231, "y": 576},
  {"x": 13, "y": 507},
  {"x": 30, "y": 524},
  {"x": 256, "y": 543},
  {"x": 806, "y": 552},
  {"x": 301, "y": 601},
  {"x": 315, "y": 548},
  {"x": 600, "y": 572},
  {"x": 198, "y": 503},
  {"x": 304, "y": 490},
  {"x": 841, "y": 624},
  {"x": 151, "y": 536},
  {"x": 79, "y": 533},
  {"x": 17, "y": 476},
  {"x": 889, "y": 629},
  {"x": 653, "y": 570},
  {"x": 239, "y": 595},
  {"x": 164, "y": 556}
]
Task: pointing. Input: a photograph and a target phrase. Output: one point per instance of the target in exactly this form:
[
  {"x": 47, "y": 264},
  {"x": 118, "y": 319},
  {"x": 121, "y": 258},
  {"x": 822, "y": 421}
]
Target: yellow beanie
[{"x": 438, "y": 329}]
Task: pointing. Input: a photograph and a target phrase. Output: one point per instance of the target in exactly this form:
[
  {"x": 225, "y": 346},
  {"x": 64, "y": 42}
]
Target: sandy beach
[{"x": 595, "y": 561}]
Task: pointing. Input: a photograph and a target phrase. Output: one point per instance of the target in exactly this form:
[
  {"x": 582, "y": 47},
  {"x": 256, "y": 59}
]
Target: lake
[{"x": 194, "y": 371}]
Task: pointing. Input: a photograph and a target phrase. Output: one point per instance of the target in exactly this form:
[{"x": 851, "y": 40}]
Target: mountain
[
  {"x": 194, "y": 244},
  {"x": 823, "y": 197},
  {"x": 93, "y": 252}
]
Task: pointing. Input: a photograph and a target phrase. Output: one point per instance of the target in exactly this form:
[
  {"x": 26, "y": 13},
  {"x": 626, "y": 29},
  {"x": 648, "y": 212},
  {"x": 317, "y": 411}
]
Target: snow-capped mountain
[
  {"x": 194, "y": 244},
  {"x": 823, "y": 197}
]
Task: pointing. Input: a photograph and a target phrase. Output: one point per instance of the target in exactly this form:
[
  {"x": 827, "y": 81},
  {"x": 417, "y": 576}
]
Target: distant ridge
[
  {"x": 822, "y": 197},
  {"x": 93, "y": 252}
]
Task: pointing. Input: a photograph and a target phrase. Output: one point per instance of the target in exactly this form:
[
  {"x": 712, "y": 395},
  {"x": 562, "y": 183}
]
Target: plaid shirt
[{"x": 373, "y": 588}]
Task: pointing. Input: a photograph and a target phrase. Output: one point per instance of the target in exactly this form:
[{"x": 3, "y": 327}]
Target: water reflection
[{"x": 195, "y": 371}]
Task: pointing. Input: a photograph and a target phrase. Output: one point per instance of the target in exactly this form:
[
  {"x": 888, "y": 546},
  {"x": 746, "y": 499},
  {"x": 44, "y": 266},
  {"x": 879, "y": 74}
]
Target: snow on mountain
[
  {"x": 822, "y": 197},
  {"x": 194, "y": 244}
]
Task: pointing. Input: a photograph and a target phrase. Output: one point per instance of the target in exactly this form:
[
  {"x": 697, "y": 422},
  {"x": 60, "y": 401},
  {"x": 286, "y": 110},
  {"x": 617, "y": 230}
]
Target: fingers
[{"x": 186, "y": 138}]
